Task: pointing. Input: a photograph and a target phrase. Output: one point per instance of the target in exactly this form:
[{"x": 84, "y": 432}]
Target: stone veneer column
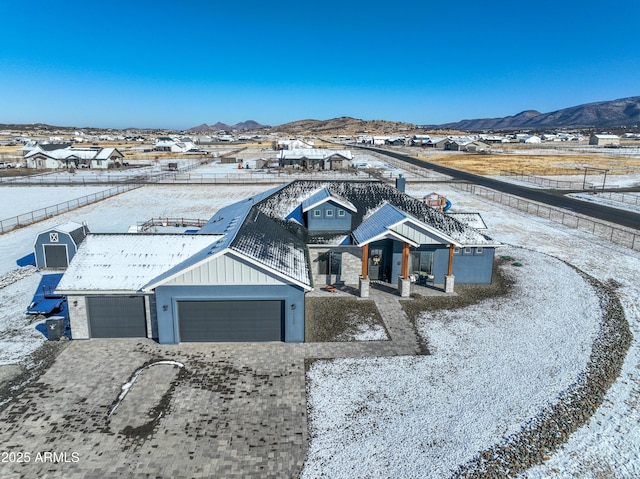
[
  {"x": 364, "y": 288},
  {"x": 448, "y": 283},
  {"x": 404, "y": 287},
  {"x": 78, "y": 317}
]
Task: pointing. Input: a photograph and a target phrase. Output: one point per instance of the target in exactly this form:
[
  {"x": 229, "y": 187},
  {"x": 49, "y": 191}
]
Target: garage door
[
  {"x": 117, "y": 317},
  {"x": 231, "y": 321},
  {"x": 55, "y": 256}
]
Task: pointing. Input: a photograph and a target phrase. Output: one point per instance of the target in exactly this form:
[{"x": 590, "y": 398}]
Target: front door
[{"x": 376, "y": 264}]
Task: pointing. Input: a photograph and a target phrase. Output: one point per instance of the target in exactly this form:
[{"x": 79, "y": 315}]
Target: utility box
[{"x": 55, "y": 328}]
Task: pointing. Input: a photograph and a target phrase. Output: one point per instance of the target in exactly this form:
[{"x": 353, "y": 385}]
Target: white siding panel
[{"x": 224, "y": 270}]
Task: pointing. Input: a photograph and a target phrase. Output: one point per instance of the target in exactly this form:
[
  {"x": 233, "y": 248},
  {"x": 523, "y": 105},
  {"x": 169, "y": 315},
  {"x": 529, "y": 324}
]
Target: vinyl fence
[
  {"x": 619, "y": 235},
  {"x": 43, "y": 213}
]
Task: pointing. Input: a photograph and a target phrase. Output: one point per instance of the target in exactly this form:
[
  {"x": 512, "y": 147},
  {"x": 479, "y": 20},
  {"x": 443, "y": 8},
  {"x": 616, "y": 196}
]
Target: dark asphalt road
[{"x": 552, "y": 198}]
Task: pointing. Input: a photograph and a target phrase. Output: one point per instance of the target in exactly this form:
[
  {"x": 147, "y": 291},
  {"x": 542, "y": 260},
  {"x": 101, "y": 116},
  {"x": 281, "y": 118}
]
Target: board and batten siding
[
  {"x": 414, "y": 234},
  {"x": 225, "y": 270}
]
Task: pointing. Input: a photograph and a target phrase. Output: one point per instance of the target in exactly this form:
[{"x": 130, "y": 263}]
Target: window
[
  {"x": 53, "y": 237},
  {"x": 467, "y": 250},
  {"x": 317, "y": 213},
  {"x": 330, "y": 262},
  {"x": 329, "y": 213},
  {"x": 456, "y": 250},
  {"x": 341, "y": 213},
  {"x": 479, "y": 250}
]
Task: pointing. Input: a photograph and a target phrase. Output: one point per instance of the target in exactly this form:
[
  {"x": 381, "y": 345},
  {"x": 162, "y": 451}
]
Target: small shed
[{"x": 55, "y": 247}]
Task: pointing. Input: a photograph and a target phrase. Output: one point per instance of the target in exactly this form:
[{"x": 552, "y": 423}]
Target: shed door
[
  {"x": 55, "y": 256},
  {"x": 231, "y": 321},
  {"x": 117, "y": 317}
]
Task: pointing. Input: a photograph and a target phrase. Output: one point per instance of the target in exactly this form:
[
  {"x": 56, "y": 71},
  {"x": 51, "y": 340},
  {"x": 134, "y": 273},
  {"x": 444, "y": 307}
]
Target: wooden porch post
[
  {"x": 365, "y": 261},
  {"x": 405, "y": 261},
  {"x": 450, "y": 270}
]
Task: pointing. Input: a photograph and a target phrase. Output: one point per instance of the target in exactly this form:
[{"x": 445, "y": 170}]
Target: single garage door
[
  {"x": 214, "y": 321},
  {"x": 55, "y": 256},
  {"x": 117, "y": 317}
]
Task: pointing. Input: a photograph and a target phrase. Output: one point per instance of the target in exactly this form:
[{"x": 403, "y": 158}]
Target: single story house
[
  {"x": 166, "y": 143},
  {"x": 316, "y": 158},
  {"x": 73, "y": 157},
  {"x": 243, "y": 276}
]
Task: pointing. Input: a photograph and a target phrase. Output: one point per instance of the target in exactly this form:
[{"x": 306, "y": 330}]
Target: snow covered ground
[
  {"x": 18, "y": 336},
  {"x": 116, "y": 214},
  {"x": 603, "y": 199},
  {"x": 609, "y": 445},
  {"x": 422, "y": 416},
  {"x": 17, "y": 200}
]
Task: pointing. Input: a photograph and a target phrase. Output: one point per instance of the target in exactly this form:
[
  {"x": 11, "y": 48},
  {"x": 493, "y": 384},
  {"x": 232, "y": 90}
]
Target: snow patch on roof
[{"x": 127, "y": 262}]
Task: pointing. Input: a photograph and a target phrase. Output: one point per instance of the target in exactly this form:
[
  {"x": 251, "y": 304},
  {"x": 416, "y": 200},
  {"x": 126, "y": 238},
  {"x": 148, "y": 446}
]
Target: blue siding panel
[{"x": 467, "y": 268}]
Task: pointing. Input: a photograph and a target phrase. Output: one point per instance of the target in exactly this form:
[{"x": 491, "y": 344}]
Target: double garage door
[{"x": 241, "y": 321}]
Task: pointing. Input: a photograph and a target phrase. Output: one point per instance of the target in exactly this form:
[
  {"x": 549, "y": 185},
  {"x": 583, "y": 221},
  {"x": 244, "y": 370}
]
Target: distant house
[
  {"x": 243, "y": 276},
  {"x": 530, "y": 139},
  {"x": 174, "y": 145},
  {"x": 436, "y": 143},
  {"x": 316, "y": 158},
  {"x": 44, "y": 157},
  {"x": 296, "y": 144},
  {"x": 604, "y": 140}
]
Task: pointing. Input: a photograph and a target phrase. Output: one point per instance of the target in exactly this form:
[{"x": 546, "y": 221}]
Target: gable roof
[
  {"x": 385, "y": 222},
  {"x": 323, "y": 195},
  {"x": 367, "y": 197},
  {"x": 127, "y": 262}
]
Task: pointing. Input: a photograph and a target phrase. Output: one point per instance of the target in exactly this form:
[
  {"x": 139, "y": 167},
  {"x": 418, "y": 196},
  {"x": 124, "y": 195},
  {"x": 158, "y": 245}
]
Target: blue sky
[{"x": 170, "y": 64}]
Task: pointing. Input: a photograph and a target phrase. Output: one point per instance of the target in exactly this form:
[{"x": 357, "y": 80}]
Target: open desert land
[
  {"x": 565, "y": 161},
  {"x": 497, "y": 367}
]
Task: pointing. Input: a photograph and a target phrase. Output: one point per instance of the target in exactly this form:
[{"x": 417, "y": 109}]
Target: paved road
[{"x": 549, "y": 197}]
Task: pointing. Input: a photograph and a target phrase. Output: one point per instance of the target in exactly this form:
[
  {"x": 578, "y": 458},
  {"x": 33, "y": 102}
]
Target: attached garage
[
  {"x": 116, "y": 317},
  {"x": 214, "y": 321}
]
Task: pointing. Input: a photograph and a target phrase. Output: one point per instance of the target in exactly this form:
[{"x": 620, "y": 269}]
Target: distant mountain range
[
  {"x": 621, "y": 112},
  {"x": 245, "y": 125},
  {"x": 344, "y": 125}
]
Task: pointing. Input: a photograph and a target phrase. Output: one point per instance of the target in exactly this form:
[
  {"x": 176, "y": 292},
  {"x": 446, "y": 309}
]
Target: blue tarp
[
  {"x": 45, "y": 301},
  {"x": 29, "y": 260}
]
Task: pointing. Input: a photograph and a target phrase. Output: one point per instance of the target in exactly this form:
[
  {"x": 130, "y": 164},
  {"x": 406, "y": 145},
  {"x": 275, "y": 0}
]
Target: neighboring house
[
  {"x": 105, "y": 158},
  {"x": 436, "y": 143},
  {"x": 244, "y": 275},
  {"x": 296, "y": 144},
  {"x": 55, "y": 247},
  {"x": 604, "y": 140},
  {"x": 72, "y": 157},
  {"x": 530, "y": 139},
  {"x": 174, "y": 145},
  {"x": 316, "y": 158}
]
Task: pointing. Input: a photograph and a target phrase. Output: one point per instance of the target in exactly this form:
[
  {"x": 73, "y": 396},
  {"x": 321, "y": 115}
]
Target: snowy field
[
  {"x": 422, "y": 416},
  {"x": 612, "y": 181},
  {"x": 17, "y": 200},
  {"x": 116, "y": 214},
  {"x": 458, "y": 401},
  {"x": 609, "y": 445}
]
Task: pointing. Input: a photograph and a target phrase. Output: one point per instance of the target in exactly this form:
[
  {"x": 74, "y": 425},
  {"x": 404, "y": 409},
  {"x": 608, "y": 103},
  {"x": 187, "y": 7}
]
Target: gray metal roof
[{"x": 378, "y": 223}]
